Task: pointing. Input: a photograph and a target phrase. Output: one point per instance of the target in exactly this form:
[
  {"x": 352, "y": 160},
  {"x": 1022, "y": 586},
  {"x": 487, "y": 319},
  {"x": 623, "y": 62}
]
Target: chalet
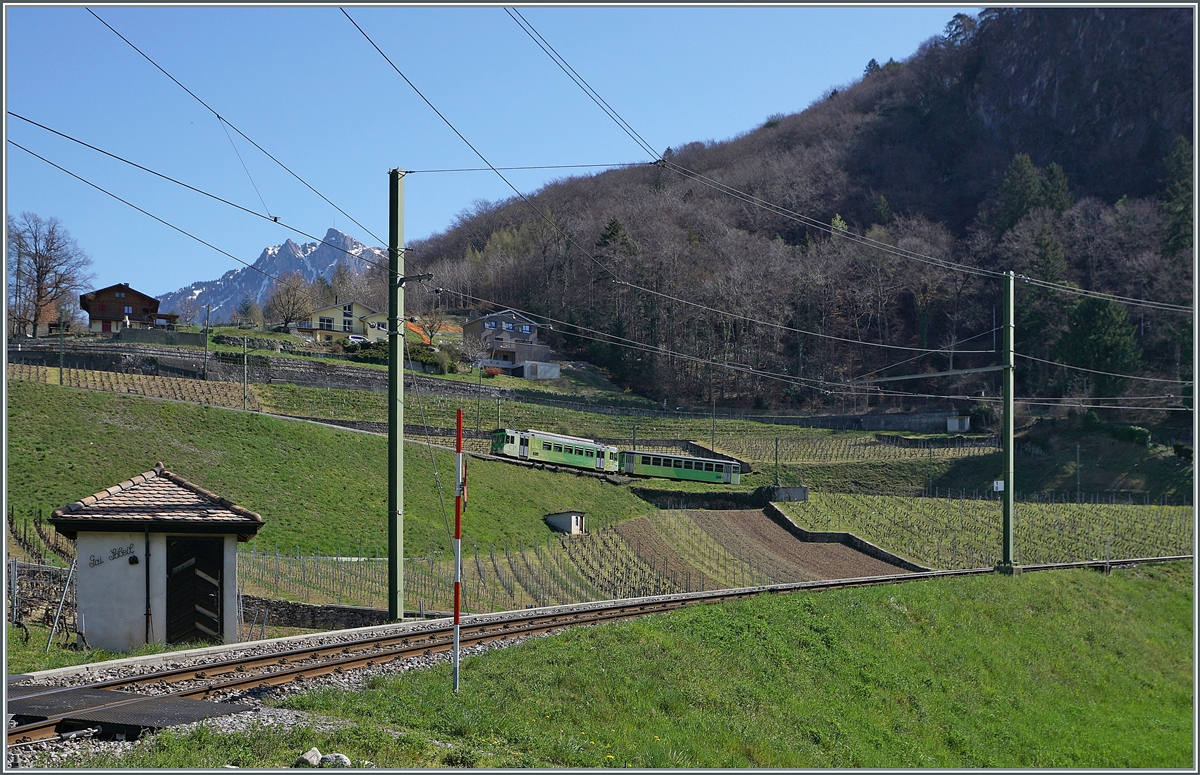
[
  {"x": 340, "y": 321},
  {"x": 118, "y": 306},
  {"x": 509, "y": 341}
]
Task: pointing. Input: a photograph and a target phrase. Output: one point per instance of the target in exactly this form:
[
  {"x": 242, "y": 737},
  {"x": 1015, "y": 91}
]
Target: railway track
[{"x": 117, "y": 698}]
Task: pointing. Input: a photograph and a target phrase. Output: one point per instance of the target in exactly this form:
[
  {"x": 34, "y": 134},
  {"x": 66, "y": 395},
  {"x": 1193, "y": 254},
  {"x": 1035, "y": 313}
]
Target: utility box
[
  {"x": 156, "y": 562},
  {"x": 569, "y": 522},
  {"x": 956, "y": 424}
]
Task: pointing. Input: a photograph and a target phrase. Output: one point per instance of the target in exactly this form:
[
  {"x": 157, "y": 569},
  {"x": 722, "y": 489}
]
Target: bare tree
[
  {"x": 432, "y": 322},
  {"x": 188, "y": 310},
  {"x": 45, "y": 265},
  {"x": 289, "y": 299}
]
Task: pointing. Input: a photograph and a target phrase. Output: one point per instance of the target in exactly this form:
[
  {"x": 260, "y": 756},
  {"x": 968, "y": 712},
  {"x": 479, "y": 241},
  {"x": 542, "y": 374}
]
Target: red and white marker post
[{"x": 460, "y": 492}]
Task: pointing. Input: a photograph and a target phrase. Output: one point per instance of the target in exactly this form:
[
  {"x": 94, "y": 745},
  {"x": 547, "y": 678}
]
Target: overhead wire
[
  {"x": 428, "y": 438},
  {"x": 559, "y": 60},
  {"x": 234, "y": 128},
  {"x": 532, "y": 167},
  {"x": 273, "y": 219},
  {"x": 169, "y": 225},
  {"x": 570, "y": 240},
  {"x": 1104, "y": 373}
]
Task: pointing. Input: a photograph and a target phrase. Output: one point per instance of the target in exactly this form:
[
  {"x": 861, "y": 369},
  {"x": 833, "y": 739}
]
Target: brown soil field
[{"x": 753, "y": 533}]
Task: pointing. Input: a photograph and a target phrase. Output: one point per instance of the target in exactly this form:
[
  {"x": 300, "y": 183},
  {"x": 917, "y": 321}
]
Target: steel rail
[{"x": 382, "y": 649}]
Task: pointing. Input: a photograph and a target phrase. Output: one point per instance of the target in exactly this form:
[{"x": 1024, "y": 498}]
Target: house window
[
  {"x": 348, "y": 310},
  {"x": 491, "y": 324},
  {"x": 119, "y": 294},
  {"x": 325, "y": 324},
  {"x": 128, "y": 310},
  {"x": 524, "y": 329},
  {"x": 348, "y": 325},
  {"x": 508, "y": 326}
]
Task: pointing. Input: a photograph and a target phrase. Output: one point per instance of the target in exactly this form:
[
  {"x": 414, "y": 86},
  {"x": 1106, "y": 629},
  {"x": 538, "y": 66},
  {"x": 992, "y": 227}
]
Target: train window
[
  {"x": 645, "y": 460},
  {"x": 719, "y": 468},
  {"x": 546, "y": 445},
  {"x": 735, "y": 468},
  {"x": 589, "y": 453},
  {"x": 656, "y": 461},
  {"x": 511, "y": 440},
  {"x": 558, "y": 448},
  {"x": 687, "y": 464},
  {"x": 708, "y": 466},
  {"x": 678, "y": 463}
]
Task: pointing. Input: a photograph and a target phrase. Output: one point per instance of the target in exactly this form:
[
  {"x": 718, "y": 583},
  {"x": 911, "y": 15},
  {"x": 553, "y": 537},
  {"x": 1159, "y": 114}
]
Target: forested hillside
[{"x": 1047, "y": 141}]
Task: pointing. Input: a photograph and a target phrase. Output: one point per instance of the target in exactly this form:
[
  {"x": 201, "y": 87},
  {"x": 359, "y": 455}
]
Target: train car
[
  {"x": 695, "y": 469},
  {"x": 554, "y": 448}
]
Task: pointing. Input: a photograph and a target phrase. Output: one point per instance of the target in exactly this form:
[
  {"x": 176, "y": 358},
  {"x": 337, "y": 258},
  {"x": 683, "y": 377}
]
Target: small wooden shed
[
  {"x": 157, "y": 561},
  {"x": 569, "y": 522}
]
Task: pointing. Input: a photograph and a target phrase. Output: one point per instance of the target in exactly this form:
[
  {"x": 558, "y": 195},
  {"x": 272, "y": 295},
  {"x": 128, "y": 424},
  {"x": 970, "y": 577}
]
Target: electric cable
[
  {"x": 169, "y": 225},
  {"x": 533, "y": 167},
  {"x": 791, "y": 214},
  {"x": 425, "y": 424},
  {"x": 1103, "y": 373},
  {"x": 168, "y": 178},
  {"x": 240, "y": 132}
]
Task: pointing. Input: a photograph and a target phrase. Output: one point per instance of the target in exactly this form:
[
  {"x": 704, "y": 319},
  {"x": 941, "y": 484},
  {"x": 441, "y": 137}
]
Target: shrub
[
  {"x": 1135, "y": 433},
  {"x": 492, "y": 371},
  {"x": 983, "y": 415},
  {"x": 1182, "y": 451},
  {"x": 1090, "y": 421}
]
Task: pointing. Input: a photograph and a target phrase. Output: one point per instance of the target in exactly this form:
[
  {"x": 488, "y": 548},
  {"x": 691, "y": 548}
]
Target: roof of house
[
  {"x": 161, "y": 501},
  {"x": 506, "y": 312}
]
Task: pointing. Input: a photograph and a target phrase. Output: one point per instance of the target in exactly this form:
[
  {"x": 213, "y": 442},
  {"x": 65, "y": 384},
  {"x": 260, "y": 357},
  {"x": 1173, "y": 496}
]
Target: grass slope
[
  {"x": 315, "y": 486},
  {"x": 1054, "y": 669}
]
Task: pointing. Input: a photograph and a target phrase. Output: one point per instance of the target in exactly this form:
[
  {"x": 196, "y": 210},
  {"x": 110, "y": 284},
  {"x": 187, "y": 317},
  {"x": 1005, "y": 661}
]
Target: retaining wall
[{"x": 848, "y": 539}]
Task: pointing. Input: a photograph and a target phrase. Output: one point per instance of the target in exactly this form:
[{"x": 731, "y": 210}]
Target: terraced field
[{"x": 223, "y": 394}]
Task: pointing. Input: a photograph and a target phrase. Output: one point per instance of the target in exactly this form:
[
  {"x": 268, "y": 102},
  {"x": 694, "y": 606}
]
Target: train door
[
  {"x": 523, "y": 450},
  {"x": 601, "y": 452},
  {"x": 630, "y": 458},
  {"x": 728, "y": 472}
]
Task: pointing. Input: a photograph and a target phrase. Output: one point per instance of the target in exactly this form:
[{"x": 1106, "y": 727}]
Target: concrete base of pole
[{"x": 1009, "y": 570}]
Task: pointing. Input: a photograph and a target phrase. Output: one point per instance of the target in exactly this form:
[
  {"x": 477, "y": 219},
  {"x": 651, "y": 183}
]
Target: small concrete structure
[
  {"x": 569, "y": 522},
  {"x": 956, "y": 424},
  {"x": 157, "y": 561},
  {"x": 786, "y": 494}
]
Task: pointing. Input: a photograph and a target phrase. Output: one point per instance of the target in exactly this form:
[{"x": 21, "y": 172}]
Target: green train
[
  {"x": 695, "y": 469},
  {"x": 554, "y": 448},
  {"x": 558, "y": 449}
]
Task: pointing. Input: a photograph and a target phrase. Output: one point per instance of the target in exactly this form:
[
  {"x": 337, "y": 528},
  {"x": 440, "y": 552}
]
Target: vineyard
[
  {"x": 224, "y": 394},
  {"x": 965, "y": 533}
]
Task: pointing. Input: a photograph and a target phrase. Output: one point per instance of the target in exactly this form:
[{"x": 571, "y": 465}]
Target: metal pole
[
  {"x": 245, "y": 375},
  {"x": 776, "y": 461},
  {"x": 1006, "y": 549},
  {"x": 395, "y": 395},
  {"x": 62, "y": 341},
  {"x": 459, "y": 488},
  {"x": 61, "y": 601},
  {"x": 207, "y": 310},
  {"x": 1077, "y": 473}
]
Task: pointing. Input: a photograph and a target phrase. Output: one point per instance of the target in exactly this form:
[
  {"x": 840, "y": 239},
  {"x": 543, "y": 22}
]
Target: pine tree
[
  {"x": 1020, "y": 192},
  {"x": 1177, "y": 199},
  {"x": 1055, "y": 193},
  {"x": 1100, "y": 337}
]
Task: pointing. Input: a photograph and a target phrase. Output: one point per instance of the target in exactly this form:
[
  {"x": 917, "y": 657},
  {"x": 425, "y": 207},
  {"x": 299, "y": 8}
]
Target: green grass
[
  {"x": 315, "y": 486},
  {"x": 1067, "y": 669},
  {"x": 26, "y": 656}
]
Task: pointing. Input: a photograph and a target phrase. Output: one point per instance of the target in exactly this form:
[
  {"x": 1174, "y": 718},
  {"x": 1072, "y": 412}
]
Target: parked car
[{"x": 356, "y": 339}]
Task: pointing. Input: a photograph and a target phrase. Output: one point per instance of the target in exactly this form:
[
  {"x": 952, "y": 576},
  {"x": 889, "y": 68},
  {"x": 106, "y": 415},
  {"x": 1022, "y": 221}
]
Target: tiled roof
[{"x": 155, "y": 498}]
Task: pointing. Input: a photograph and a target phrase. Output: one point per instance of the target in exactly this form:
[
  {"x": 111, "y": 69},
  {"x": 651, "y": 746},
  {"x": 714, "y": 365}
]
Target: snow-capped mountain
[{"x": 312, "y": 260}]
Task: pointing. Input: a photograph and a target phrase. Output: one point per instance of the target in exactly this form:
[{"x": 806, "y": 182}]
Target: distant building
[
  {"x": 509, "y": 341},
  {"x": 569, "y": 522},
  {"x": 118, "y": 307},
  {"x": 339, "y": 321}
]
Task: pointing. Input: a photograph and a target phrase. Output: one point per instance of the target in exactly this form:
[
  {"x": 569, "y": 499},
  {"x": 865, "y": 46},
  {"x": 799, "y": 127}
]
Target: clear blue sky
[{"x": 305, "y": 85}]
